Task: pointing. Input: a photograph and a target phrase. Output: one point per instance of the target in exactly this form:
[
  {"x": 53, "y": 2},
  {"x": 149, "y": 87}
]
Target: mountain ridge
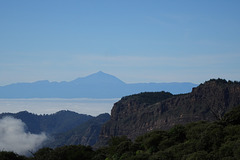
[
  {"x": 63, "y": 127},
  {"x": 132, "y": 116},
  {"x": 97, "y": 85},
  {"x": 57, "y": 122},
  {"x": 136, "y": 115},
  {"x": 101, "y": 77}
]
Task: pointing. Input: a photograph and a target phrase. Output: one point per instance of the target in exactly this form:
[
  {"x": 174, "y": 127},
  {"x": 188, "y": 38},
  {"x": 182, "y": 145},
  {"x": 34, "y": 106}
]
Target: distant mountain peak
[
  {"x": 96, "y": 85},
  {"x": 100, "y": 72},
  {"x": 99, "y": 77}
]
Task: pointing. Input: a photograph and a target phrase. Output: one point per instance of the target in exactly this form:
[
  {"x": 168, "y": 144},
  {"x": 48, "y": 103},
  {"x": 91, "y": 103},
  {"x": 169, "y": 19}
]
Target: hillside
[
  {"x": 84, "y": 134},
  {"x": 64, "y": 127},
  {"x": 54, "y": 123},
  {"x": 97, "y": 85},
  {"x": 133, "y": 115},
  {"x": 219, "y": 140}
]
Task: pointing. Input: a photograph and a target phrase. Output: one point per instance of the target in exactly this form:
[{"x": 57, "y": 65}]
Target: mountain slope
[
  {"x": 64, "y": 127},
  {"x": 133, "y": 117},
  {"x": 97, "y": 85},
  {"x": 61, "y": 121},
  {"x": 85, "y": 134},
  {"x": 98, "y": 79}
]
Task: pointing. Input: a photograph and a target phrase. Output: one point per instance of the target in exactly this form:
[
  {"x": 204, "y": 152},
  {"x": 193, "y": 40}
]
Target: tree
[{"x": 4, "y": 155}]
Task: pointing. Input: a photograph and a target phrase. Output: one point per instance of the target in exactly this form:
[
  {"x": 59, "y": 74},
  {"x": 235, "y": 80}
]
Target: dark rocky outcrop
[{"x": 137, "y": 114}]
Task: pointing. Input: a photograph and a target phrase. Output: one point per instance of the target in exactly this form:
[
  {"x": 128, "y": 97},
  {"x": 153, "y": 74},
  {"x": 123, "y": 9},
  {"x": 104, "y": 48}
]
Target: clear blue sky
[{"x": 135, "y": 40}]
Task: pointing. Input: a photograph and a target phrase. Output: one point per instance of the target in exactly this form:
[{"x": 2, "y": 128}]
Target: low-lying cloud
[{"x": 13, "y": 137}]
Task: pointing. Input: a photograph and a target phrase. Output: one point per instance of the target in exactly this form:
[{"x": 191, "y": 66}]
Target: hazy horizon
[
  {"x": 86, "y": 76},
  {"x": 89, "y": 106},
  {"x": 136, "y": 41}
]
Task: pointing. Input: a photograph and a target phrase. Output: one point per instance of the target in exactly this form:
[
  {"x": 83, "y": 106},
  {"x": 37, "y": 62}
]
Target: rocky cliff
[{"x": 137, "y": 114}]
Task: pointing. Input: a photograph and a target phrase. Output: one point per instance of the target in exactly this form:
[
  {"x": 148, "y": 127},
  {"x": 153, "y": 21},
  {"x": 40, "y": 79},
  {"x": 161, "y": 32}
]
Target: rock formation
[{"x": 137, "y": 114}]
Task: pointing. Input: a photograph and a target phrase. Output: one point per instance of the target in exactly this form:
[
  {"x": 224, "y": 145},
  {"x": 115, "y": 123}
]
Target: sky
[{"x": 134, "y": 40}]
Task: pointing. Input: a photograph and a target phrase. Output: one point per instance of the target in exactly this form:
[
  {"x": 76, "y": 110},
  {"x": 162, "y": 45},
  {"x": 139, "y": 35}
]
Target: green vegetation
[
  {"x": 149, "y": 97},
  {"x": 223, "y": 81},
  {"x": 195, "y": 141}
]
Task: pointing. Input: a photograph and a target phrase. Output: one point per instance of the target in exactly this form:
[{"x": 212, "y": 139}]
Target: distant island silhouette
[{"x": 97, "y": 85}]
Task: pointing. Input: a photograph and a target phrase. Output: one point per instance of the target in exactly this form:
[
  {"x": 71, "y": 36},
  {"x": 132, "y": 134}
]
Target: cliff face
[{"x": 138, "y": 114}]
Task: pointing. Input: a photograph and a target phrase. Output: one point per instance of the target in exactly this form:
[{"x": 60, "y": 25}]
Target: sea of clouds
[
  {"x": 13, "y": 137},
  {"x": 92, "y": 107},
  {"x": 13, "y": 132}
]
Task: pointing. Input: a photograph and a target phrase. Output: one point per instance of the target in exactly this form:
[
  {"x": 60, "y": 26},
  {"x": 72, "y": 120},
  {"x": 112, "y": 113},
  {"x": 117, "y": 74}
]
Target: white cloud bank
[{"x": 14, "y": 138}]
